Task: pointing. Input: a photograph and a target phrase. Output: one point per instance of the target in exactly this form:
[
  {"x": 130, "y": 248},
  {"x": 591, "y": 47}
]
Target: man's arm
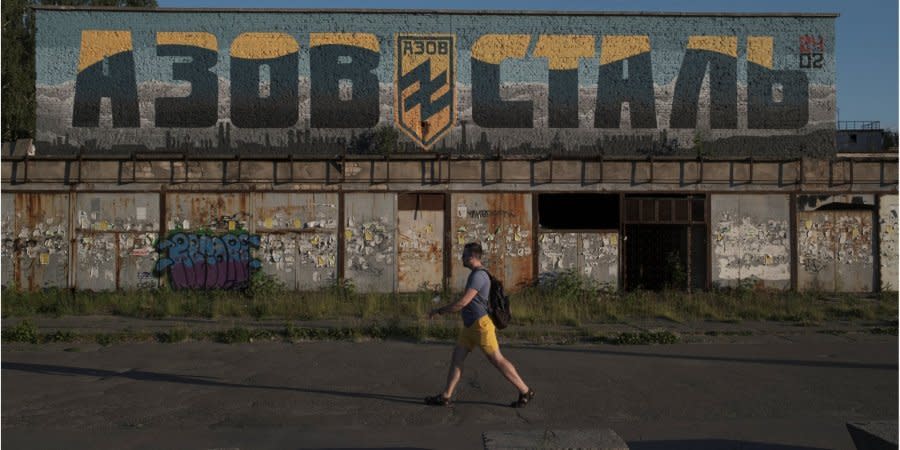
[{"x": 458, "y": 305}]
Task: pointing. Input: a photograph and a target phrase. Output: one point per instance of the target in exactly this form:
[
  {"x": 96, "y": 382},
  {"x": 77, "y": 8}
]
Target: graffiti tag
[{"x": 208, "y": 262}]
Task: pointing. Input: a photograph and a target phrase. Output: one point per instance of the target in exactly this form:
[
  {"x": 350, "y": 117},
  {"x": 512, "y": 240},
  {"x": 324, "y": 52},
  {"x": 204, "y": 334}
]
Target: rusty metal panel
[
  {"x": 370, "y": 251},
  {"x": 7, "y": 227},
  {"x": 599, "y": 258},
  {"x": 218, "y": 212},
  {"x": 137, "y": 258},
  {"x": 41, "y": 230},
  {"x": 420, "y": 244},
  {"x": 298, "y": 237},
  {"x": 302, "y": 261},
  {"x": 115, "y": 235},
  {"x": 558, "y": 252},
  {"x": 276, "y": 211},
  {"x": 592, "y": 255},
  {"x": 887, "y": 217},
  {"x": 502, "y": 223},
  {"x": 835, "y": 250},
  {"x": 751, "y": 240},
  {"x": 95, "y": 264}
]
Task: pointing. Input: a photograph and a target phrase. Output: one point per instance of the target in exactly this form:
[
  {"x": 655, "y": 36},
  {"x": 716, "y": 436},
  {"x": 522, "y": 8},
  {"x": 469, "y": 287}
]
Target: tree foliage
[{"x": 17, "y": 65}]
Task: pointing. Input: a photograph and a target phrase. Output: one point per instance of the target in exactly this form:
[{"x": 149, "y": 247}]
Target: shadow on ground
[
  {"x": 142, "y": 375},
  {"x": 712, "y": 444}
]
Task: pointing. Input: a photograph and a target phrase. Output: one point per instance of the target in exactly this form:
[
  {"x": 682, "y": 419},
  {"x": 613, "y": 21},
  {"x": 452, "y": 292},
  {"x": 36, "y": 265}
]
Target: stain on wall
[
  {"x": 834, "y": 243},
  {"x": 888, "y": 242},
  {"x": 592, "y": 255},
  {"x": 370, "y": 226},
  {"x": 36, "y": 240},
  {"x": 233, "y": 82},
  {"x": 222, "y": 212},
  {"x": 751, "y": 240},
  {"x": 115, "y": 235},
  {"x": 420, "y": 249},
  {"x": 8, "y": 244},
  {"x": 502, "y": 224},
  {"x": 298, "y": 237}
]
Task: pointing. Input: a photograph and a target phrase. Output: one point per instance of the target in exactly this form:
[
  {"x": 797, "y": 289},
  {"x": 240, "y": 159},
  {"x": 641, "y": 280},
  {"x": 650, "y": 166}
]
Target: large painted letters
[{"x": 106, "y": 69}]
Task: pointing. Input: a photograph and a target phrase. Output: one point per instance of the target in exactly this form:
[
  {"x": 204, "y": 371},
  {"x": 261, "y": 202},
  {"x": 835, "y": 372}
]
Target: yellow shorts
[{"x": 480, "y": 334}]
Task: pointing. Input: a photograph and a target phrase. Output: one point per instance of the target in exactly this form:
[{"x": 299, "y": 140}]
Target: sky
[{"x": 866, "y": 33}]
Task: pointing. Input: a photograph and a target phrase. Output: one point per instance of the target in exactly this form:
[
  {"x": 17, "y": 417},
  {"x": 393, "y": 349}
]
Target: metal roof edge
[{"x": 440, "y": 11}]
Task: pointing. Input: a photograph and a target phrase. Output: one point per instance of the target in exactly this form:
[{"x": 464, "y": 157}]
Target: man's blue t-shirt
[{"x": 478, "y": 307}]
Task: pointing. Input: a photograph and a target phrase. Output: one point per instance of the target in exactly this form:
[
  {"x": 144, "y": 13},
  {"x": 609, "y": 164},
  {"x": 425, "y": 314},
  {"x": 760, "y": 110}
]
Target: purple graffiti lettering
[{"x": 208, "y": 262}]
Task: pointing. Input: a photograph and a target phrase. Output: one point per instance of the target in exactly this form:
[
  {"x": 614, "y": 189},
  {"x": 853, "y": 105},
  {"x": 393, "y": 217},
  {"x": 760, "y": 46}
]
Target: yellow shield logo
[{"x": 425, "y": 86}]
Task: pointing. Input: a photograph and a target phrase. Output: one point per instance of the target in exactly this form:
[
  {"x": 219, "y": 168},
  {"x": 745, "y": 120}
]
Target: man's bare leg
[
  {"x": 456, "y": 368},
  {"x": 508, "y": 370}
]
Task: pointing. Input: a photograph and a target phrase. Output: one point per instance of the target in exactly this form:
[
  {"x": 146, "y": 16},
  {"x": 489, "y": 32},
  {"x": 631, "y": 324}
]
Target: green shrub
[{"x": 24, "y": 331}]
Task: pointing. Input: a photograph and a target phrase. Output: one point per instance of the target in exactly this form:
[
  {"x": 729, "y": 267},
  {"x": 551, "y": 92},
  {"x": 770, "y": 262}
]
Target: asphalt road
[{"x": 202, "y": 395}]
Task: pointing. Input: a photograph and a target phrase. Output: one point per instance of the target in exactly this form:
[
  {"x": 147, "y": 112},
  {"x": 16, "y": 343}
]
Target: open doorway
[{"x": 665, "y": 242}]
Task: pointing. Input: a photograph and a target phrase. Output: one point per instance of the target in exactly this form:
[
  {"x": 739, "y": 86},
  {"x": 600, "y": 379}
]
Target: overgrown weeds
[{"x": 566, "y": 299}]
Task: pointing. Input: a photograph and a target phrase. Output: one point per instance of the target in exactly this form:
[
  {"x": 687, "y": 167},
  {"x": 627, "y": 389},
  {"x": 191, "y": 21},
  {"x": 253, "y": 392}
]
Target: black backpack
[{"x": 499, "y": 303}]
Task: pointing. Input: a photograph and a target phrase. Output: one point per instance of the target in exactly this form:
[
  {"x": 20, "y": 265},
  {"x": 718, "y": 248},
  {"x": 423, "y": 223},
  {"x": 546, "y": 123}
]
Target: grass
[{"x": 567, "y": 300}]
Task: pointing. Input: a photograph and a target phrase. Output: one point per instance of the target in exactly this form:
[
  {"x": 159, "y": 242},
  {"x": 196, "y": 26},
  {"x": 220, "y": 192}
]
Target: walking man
[{"x": 478, "y": 331}]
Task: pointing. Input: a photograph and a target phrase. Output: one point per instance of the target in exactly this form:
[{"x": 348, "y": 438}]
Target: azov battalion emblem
[{"x": 425, "y": 86}]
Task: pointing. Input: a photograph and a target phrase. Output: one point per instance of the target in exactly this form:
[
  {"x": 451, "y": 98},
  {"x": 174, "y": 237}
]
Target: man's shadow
[{"x": 141, "y": 375}]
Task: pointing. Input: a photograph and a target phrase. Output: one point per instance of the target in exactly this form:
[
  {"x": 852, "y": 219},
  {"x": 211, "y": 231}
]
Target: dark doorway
[
  {"x": 657, "y": 256},
  {"x": 578, "y": 211},
  {"x": 665, "y": 242}
]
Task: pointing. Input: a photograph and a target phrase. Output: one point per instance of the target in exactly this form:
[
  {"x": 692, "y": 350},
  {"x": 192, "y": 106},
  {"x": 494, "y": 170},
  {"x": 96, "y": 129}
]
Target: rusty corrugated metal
[
  {"x": 370, "y": 248},
  {"x": 420, "y": 242},
  {"x": 502, "y": 223}
]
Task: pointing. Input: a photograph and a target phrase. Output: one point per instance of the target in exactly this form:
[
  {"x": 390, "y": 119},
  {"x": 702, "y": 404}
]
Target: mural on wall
[
  {"x": 293, "y": 82},
  {"x": 747, "y": 247},
  {"x": 200, "y": 261}
]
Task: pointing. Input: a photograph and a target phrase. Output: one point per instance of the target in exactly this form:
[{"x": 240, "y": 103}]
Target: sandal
[
  {"x": 523, "y": 399},
  {"x": 438, "y": 400}
]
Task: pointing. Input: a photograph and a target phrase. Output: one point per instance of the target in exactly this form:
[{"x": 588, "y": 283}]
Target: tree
[{"x": 17, "y": 65}]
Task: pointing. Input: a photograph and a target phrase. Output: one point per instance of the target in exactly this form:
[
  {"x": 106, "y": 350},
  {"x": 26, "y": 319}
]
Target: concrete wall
[
  {"x": 502, "y": 224},
  {"x": 888, "y": 240},
  {"x": 751, "y": 240},
  {"x": 370, "y": 228},
  {"x": 835, "y": 243},
  {"x": 593, "y": 255},
  {"x": 520, "y": 83}
]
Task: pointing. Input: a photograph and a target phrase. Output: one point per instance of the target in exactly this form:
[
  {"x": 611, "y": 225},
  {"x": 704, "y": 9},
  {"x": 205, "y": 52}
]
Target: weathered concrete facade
[{"x": 660, "y": 158}]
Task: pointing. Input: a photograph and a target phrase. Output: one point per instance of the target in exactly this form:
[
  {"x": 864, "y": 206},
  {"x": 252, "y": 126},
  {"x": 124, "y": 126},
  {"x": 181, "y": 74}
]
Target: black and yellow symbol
[{"x": 425, "y": 86}]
